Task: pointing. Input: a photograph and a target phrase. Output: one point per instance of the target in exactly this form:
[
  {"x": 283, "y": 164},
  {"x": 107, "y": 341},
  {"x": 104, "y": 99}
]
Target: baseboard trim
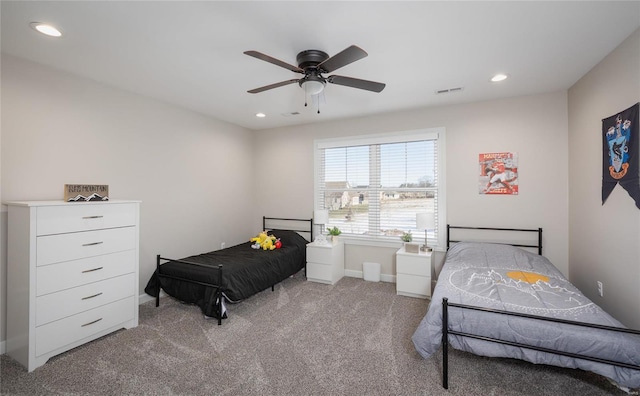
[
  {"x": 144, "y": 297},
  {"x": 359, "y": 274}
]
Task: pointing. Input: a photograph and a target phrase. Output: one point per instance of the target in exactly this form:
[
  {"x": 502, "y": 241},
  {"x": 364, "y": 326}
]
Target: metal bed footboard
[
  {"x": 215, "y": 297},
  {"x": 446, "y": 331}
]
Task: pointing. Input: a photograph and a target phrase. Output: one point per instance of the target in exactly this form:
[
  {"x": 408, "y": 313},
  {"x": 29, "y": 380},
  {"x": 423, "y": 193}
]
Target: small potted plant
[
  {"x": 408, "y": 246},
  {"x": 406, "y": 236},
  {"x": 334, "y": 232}
]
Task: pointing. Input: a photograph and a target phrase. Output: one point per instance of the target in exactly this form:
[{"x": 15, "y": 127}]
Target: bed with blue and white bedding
[{"x": 511, "y": 279}]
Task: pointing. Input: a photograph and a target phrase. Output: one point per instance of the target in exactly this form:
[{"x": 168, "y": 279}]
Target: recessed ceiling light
[
  {"x": 260, "y": 115},
  {"x": 499, "y": 77},
  {"x": 45, "y": 29}
]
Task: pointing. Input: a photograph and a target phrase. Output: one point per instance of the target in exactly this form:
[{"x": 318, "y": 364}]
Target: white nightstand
[
  {"x": 413, "y": 274},
  {"x": 325, "y": 263}
]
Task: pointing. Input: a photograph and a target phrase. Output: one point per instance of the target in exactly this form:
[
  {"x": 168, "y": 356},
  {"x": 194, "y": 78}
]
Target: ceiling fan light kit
[
  {"x": 312, "y": 85},
  {"x": 314, "y": 63}
]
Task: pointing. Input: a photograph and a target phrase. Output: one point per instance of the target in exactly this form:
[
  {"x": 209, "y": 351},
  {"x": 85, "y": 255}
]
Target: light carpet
[{"x": 304, "y": 338}]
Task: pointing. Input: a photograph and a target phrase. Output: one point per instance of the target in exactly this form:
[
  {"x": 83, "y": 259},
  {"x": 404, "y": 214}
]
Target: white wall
[
  {"x": 193, "y": 174},
  {"x": 534, "y": 126},
  {"x": 604, "y": 240},
  {"x": 3, "y": 247}
]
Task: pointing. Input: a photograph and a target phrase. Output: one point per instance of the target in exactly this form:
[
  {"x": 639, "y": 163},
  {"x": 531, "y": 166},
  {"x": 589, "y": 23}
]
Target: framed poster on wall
[{"x": 498, "y": 173}]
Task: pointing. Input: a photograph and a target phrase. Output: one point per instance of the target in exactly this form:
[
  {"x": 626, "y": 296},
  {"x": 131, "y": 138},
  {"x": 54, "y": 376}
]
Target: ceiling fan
[{"x": 313, "y": 64}]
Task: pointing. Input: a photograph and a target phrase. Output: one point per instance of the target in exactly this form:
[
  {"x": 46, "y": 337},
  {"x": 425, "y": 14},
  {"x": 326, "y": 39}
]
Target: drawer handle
[
  {"x": 90, "y": 323},
  {"x": 92, "y": 243},
  {"x": 91, "y": 270},
  {"x": 95, "y": 295},
  {"x": 93, "y": 217}
]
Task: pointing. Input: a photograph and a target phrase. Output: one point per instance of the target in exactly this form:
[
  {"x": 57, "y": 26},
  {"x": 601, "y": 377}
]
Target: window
[{"x": 373, "y": 186}]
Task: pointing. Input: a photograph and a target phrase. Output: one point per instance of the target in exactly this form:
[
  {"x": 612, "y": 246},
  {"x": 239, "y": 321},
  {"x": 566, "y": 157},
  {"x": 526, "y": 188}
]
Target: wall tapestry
[
  {"x": 498, "y": 173},
  {"x": 620, "y": 152}
]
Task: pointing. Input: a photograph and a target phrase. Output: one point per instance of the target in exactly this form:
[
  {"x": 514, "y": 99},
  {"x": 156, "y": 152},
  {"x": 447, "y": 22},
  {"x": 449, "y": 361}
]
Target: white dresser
[
  {"x": 413, "y": 274},
  {"x": 72, "y": 275},
  {"x": 325, "y": 262}
]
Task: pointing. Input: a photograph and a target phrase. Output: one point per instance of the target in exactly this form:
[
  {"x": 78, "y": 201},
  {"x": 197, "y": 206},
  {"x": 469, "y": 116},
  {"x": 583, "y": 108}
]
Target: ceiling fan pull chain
[{"x": 305, "y": 97}]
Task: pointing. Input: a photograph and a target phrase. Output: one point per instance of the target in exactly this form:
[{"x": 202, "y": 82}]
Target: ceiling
[{"x": 190, "y": 53}]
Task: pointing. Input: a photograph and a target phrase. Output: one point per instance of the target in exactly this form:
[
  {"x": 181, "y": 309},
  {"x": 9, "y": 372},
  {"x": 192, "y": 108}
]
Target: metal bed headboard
[
  {"x": 539, "y": 231},
  {"x": 309, "y": 230}
]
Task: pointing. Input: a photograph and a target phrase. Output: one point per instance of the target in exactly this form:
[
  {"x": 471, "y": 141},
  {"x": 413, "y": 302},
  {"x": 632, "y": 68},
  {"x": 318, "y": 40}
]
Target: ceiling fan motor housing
[{"x": 311, "y": 58}]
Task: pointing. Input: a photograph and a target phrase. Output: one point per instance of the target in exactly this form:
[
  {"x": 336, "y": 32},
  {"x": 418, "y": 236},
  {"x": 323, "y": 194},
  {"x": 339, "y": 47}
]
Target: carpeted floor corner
[{"x": 304, "y": 338}]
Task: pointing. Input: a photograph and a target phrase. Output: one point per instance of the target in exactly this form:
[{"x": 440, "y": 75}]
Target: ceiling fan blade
[
  {"x": 348, "y": 55},
  {"x": 357, "y": 83},
  {"x": 273, "y": 60},
  {"x": 276, "y": 85}
]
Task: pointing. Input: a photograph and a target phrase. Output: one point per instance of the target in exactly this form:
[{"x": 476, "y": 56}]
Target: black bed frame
[
  {"x": 217, "y": 295},
  {"x": 445, "y": 319}
]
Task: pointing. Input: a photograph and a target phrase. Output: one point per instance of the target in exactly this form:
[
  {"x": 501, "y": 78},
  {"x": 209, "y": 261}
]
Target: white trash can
[{"x": 371, "y": 271}]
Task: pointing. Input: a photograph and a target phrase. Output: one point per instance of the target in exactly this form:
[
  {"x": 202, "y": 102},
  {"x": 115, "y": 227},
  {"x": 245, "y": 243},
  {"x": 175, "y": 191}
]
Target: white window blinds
[{"x": 374, "y": 186}]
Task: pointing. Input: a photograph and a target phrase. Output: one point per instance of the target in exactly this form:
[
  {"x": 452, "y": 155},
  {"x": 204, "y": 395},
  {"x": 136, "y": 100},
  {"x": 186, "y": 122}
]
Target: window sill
[{"x": 378, "y": 242}]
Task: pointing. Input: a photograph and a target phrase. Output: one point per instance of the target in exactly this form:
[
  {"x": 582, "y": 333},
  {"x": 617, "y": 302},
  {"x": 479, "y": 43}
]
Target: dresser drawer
[
  {"x": 63, "y": 247},
  {"x": 74, "y": 328},
  {"x": 84, "y": 217},
  {"x": 83, "y": 298},
  {"x": 55, "y": 277},
  {"x": 322, "y": 255},
  {"x": 319, "y": 272},
  {"x": 415, "y": 265},
  {"x": 413, "y": 285}
]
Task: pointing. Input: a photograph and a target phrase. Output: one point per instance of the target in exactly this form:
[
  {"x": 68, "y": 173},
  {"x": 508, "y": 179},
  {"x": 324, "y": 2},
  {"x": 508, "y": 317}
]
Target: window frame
[{"x": 438, "y": 133}]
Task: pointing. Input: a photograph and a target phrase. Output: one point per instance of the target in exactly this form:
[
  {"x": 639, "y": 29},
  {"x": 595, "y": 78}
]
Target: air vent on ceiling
[
  {"x": 290, "y": 114},
  {"x": 449, "y": 90}
]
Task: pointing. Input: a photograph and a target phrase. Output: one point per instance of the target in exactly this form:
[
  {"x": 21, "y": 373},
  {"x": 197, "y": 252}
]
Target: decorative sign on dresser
[
  {"x": 86, "y": 192},
  {"x": 72, "y": 275}
]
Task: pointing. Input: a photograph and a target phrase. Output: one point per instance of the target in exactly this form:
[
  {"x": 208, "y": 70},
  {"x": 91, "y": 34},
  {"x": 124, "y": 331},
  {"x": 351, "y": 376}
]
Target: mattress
[{"x": 511, "y": 279}]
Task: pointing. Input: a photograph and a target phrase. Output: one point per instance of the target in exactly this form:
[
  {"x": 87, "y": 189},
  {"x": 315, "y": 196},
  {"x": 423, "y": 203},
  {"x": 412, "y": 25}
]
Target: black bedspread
[{"x": 245, "y": 271}]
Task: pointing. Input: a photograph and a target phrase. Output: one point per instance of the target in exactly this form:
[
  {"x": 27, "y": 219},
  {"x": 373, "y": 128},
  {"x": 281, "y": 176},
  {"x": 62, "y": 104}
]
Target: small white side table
[
  {"x": 413, "y": 274},
  {"x": 325, "y": 262}
]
